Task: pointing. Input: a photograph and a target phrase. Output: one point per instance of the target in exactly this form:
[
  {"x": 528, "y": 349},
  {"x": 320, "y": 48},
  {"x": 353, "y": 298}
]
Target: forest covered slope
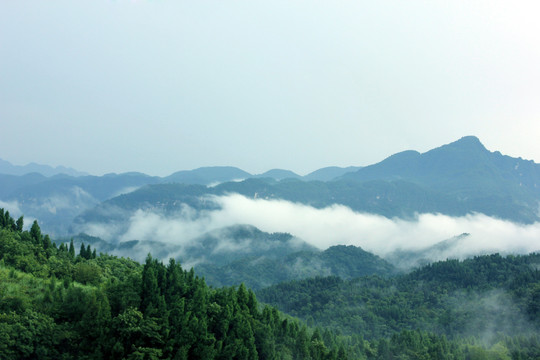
[{"x": 56, "y": 302}]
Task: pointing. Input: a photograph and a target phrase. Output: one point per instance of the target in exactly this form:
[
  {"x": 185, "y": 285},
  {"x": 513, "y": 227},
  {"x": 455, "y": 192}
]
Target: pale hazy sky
[{"x": 161, "y": 86}]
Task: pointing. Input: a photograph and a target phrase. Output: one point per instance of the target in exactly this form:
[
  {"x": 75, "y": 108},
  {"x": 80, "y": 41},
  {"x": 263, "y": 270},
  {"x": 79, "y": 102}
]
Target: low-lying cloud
[
  {"x": 12, "y": 207},
  {"x": 329, "y": 226}
]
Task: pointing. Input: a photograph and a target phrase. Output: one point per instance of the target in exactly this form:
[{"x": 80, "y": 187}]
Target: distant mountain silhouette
[
  {"x": 459, "y": 178},
  {"x": 279, "y": 174},
  {"x": 8, "y": 168},
  {"x": 468, "y": 173},
  {"x": 464, "y": 166},
  {"x": 330, "y": 173},
  {"x": 455, "y": 179},
  {"x": 207, "y": 175}
]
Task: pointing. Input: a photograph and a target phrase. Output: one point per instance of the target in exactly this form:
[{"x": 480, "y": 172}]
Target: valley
[{"x": 433, "y": 255}]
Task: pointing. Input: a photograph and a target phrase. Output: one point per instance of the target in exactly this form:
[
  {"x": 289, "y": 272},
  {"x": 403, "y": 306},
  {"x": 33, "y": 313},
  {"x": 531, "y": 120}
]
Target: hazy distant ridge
[
  {"x": 456, "y": 179},
  {"x": 8, "y": 168}
]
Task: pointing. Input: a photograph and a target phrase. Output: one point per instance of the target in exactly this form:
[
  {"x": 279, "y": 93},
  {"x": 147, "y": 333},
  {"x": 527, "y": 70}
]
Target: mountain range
[
  {"x": 456, "y": 179},
  {"x": 448, "y": 293},
  {"x": 8, "y": 168}
]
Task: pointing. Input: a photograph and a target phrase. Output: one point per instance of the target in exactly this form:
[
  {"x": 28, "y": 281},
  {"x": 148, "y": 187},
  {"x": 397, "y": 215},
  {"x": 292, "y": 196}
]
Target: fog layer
[{"x": 329, "y": 226}]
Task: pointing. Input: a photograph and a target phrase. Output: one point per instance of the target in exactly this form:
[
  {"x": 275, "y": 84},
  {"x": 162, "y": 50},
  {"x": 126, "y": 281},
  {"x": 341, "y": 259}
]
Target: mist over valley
[
  {"x": 256, "y": 180},
  {"x": 443, "y": 242},
  {"x": 409, "y": 203}
]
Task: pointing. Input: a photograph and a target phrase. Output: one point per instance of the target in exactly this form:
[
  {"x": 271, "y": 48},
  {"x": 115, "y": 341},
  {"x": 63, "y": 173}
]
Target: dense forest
[
  {"x": 59, "y": 305},
  {"x": 58, "y": 302}
]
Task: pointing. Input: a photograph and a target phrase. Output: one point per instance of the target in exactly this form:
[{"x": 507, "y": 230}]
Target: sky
[{"x": 161, "y": 86}]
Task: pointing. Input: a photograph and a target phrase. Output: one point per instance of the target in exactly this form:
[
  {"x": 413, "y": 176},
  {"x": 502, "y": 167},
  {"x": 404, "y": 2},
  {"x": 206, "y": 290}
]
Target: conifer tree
[
  {"x": 150, "y": 289},
  {"x": 20, "y": 224},
  {"x": 47, "y": 242},
  {"x": 35, "y": 232},
  {"x": 82, "y": 251},
  {"x": 71, "y": 249}
]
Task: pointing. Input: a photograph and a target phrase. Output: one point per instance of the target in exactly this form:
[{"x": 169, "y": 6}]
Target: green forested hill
[
  {"x": 57, "y": 302},
  {"x": 242, "y": 253},
  {"x": 259, "y": 271},
  {"x": 58, "y": 305},
  {"x": 483, "y": 297}
]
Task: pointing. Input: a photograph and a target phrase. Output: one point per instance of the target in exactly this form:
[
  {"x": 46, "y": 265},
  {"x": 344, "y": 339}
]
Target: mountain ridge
[
  {"x": 10, "y": 169},
  {"x": 455, "y": 179}
]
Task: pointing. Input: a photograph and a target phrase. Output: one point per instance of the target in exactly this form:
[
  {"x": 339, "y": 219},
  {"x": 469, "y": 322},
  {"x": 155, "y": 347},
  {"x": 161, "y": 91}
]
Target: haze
[
  {"x": 335, "y": 225},
  {"x": 162, "y": 86}
]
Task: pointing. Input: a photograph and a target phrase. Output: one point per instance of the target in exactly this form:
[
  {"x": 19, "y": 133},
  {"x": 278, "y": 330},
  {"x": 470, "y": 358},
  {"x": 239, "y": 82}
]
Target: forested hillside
[
  {"x": 259, "y": 271},
  {"x": 488, "y": 298},
  {"x": 57, "y": 302}
]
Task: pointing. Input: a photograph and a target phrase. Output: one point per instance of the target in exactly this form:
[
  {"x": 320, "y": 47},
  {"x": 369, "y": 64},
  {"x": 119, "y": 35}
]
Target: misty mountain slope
[
  {"x": 279, "y": 174},
  {"x": 456, "y": 179},
  {"x": 218, "y": 246},
  {"x": 99, "y": 187},
  {"x": 169, "y": 199},
  {"x": 257, "y": 272},
  {"x": 388, "y": 198},
  {"x": 483, "y": 297},
  {"x": 207, "y": 175},
  {"x": 159, "y": 198},
  {"x": 9, "y": 183},
  {"x": 57, "y": 200},
  {"x": 226, "y": 245},
  {"x": 330, "y": 173},
  {"x": 461, "y": 166},
  {"x": 410, "y": 259},
  {"x": 244, "y": 254},
  {"x": 484, "y": 181}
]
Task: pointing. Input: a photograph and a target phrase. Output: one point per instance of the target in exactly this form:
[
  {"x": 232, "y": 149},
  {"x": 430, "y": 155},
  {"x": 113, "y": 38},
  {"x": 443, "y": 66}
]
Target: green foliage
[
  {"x": 29, "y": 335},
  {"x": 267, "y": 269},
  {"x": 454, "y": 298},
  {"x": 54, "y": 305}
]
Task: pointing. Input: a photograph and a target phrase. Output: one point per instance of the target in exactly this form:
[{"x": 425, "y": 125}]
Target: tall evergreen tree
[
  {"x": 149, "y": 289},
  {"x": 82, "y": 251},
  {"x": 20, "y": 224},
  {"x": 35, "y": 232},
  {"x": 71, "y": 249}
]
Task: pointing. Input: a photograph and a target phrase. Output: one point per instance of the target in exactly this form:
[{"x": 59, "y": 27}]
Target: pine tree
[
  {"x": 20, "y": 224},
  {"x": 35, "y": 232},
  {"x": 71, "y": 249},
  {"x": 82, "y": 251},
  {"x": 47, "y": 242},
  {"x": 150, "y": 289}
]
